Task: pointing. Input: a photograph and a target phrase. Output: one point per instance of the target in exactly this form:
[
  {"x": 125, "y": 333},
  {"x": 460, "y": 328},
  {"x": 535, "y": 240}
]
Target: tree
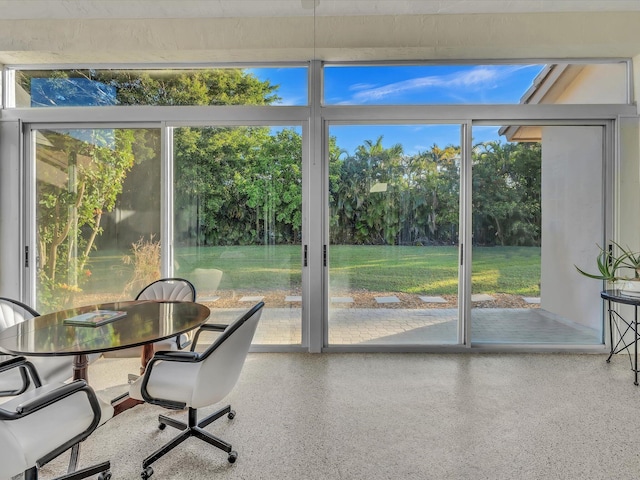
[
  {"x": 70, "y": 213},
  {"x": 366, "y": 195},
  {"x": 275, "y": 190},
  {"x": 97, "y": 162},
  {"x": 506, "y": 193}
]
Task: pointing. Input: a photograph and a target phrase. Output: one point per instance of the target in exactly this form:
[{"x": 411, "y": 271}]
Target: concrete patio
[{"x": 435, "y": 326}]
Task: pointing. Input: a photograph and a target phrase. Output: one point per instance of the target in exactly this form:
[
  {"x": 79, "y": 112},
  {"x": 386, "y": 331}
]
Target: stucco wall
[
  {"x": 572, "y": 222},
  {"x": 604, "y": 83},
  {"x": 628, "y": 218},
  {"x": 628, "y": 192}
]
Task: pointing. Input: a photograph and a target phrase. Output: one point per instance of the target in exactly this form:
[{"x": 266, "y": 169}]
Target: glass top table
[{"x": 144, "y": 322}]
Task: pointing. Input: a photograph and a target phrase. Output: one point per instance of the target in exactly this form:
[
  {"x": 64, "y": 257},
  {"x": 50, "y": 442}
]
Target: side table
[{"x": 623, "y": 326}]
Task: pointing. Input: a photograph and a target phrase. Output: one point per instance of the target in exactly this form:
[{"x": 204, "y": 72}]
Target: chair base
[
  {"x": 101, "y": 468},
  {"x": 191, "y": 429}
]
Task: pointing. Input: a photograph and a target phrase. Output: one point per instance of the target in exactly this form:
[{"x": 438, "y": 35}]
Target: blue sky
[
  {"x": 451, "y": 84},
  {"x": 365, "y": 85},
  {"x": 406, "y": 85}
]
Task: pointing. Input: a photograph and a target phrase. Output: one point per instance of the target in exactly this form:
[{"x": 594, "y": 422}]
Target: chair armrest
[
  {"x": 172, "y": 356},
  {"x": 218, "y": 327},
  {"x": 24, "y": 365},
  {"x": 207, "y": 327},
  {"x": 48, "y": 398},
  {"x": 12, "y": 363},
  {"x": 41, "y": 401},
  {"x": 165, "y": 356}
]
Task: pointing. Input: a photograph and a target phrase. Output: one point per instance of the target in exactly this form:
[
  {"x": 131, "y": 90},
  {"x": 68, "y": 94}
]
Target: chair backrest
[
  {"x": 13, "y": 312},
  {"x": 222, "y": 362},
  {"x": 176, "y": 289},
  {"x": 206, "y": 279}
]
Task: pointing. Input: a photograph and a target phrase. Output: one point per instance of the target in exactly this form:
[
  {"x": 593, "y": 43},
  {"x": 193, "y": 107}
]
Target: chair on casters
[
  {"x": 41, "y": 424},
  {"x": 191, "y": 380},
  {"x": 50, "y": 369},
  {"x": 167, "y": 289}
]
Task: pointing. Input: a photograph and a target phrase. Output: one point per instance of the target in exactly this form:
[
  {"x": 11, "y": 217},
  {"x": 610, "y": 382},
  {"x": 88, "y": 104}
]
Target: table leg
[
  {"x": 610, "y": 329},
  {"x": 147, "y": 354},
  {"x": 124, "y": 402},
  {"x": 80, "y": 372},
  {"x": 635, "y": 343},
  {"x": 81, "y": 367}
]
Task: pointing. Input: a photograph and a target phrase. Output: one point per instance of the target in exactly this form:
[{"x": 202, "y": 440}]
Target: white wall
[
  {"x": 628, "y": 191},
  {"x": 628, "y": 211},
  {"x": 572, "y": 222}
]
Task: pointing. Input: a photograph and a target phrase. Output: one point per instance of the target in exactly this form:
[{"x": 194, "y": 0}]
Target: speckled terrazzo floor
[{"x": 388, "y": 416}]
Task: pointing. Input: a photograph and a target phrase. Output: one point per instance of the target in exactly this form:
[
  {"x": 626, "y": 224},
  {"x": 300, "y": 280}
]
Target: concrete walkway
[{"x": 385, "y": 326}]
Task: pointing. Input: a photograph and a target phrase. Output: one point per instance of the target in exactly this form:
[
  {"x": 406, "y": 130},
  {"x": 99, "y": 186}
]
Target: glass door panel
[
  {"x": 394, "y": 225},
  {"x": 97, "y": 211},
  {"x": 538, "y": 210},
  {"x": 238, "y": 223}
]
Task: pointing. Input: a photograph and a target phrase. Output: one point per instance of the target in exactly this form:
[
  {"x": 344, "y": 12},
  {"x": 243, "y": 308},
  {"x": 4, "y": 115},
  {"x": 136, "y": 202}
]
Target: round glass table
[{"x": 142, "y": 322}]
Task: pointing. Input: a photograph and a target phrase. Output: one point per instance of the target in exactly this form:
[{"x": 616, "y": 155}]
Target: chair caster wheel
[
  {"x": 162, "y": 426},
  {"x": 231, "y": 415},
  {"x": 146, "y": 473},
  {"x": 233, "y": 456},
  {"x": 105, "y": 475}
]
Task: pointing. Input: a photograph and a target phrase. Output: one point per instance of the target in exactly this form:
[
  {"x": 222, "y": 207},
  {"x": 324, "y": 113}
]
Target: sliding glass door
[
  {"x": 538, "y": 211},
  {"x": 234, "y": 226},
  {"x": 393, "y": 230},
  {"x": 237, "y": 223},
  {"x": 97, "y": 214}
]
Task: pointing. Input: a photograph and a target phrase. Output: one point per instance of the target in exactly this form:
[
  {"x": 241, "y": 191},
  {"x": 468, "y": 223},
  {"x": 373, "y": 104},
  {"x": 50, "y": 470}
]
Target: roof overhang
[{"x": 546, "y": 88}]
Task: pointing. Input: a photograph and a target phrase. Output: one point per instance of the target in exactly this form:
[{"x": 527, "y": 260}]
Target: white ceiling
[
  {"x": 96, "y": 9},
  {"x": 181, "y": 31}
]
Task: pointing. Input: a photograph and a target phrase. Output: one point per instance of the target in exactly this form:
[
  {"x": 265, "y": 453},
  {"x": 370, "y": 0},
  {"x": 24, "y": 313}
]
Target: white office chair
[
  {"x": 172, "y": 289},
  {"x": 41, "y": 424},
  {"x": 50, "y": 369},
  {"x": 179, "y": 380}
]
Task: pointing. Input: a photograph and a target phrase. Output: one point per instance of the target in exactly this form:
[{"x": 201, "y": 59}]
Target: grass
[{"x": 414, "y": 270}]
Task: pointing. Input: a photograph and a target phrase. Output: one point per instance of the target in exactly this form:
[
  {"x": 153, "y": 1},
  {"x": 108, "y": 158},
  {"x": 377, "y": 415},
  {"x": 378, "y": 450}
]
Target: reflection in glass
[
  {"x": 204, "y": 86},
  {"x": 97, "y": 214},
  {"x": 238, "y": 223}
]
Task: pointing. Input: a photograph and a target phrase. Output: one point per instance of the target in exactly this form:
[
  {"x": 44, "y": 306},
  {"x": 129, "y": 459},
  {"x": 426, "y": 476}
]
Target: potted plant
[{"x": 622, "y": 270}]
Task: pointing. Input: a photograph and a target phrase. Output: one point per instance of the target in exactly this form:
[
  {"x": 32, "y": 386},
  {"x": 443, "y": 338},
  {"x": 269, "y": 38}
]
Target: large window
[
  {"x": 238, "y": 223},
  {"x": 472, "y": 84},
  {"x": 400, "y": 212},
  {"x": 120, "y": 87},
  {"x": 97, "y": 206}
]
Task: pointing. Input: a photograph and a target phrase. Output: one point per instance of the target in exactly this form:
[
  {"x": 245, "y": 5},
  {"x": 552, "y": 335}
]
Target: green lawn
[
  {"x": 415, "y": 270},
  {"x": 434, "y": 270}
]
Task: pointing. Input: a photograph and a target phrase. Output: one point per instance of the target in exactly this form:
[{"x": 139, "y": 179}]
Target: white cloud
[
  {"x": 362, "y": 86},
  {"x": 480, "y": 77}
]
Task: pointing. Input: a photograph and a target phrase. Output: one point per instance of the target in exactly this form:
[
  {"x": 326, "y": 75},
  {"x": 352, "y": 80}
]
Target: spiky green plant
[{"x": 612, "y": 267}]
